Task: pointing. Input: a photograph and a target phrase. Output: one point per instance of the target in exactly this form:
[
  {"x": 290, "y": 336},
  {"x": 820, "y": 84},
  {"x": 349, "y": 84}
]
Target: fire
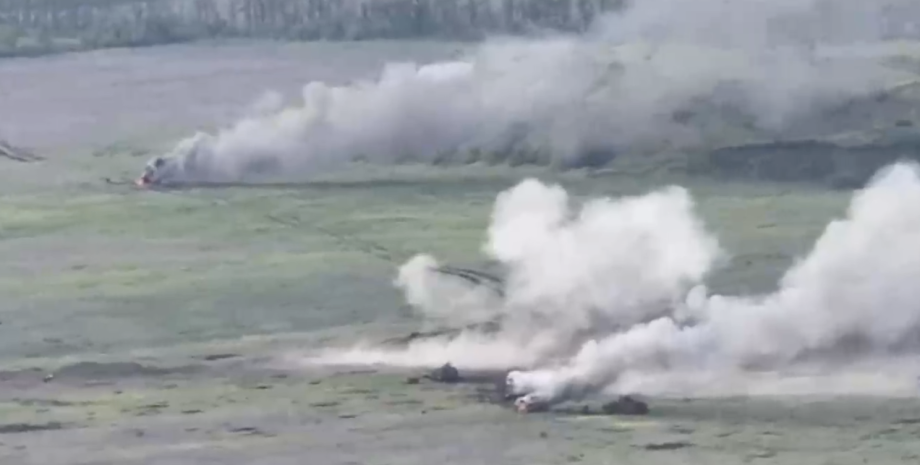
[
  {"x": 530, "y": 403},
  {"x": 150, "y": 174},
  {"x": 520, "y": 405}
]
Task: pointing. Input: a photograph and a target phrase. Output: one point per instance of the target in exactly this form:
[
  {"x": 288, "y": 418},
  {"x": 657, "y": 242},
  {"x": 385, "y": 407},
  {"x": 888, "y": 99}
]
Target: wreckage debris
[
  {"x": 496, "y": 389},
  {"x": 8, "y": 150},
  {"x": 625, "y": 405},
  {"x": 667, "y": 445},
  {"x": 531, "y": 404},
  {"x": 445, "y": 374}
]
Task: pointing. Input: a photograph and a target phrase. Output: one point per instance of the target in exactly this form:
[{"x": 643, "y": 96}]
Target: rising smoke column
[
  {"x": 857, "y": 286},
  {"x": 610, "y": 294},
  {"x": 573, "y": 271},
  {"x": 622, "y": 87}
]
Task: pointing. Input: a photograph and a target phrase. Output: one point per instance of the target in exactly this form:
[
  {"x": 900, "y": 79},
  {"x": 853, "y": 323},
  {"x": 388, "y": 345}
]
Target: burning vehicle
[
  {"x": 531, "y": 403},
  {"x": 190, "y": 160},
  {"x": 155, "y": 171},
  {"x": 525, "y": 395},
  {"x": 193, "y": 162}
]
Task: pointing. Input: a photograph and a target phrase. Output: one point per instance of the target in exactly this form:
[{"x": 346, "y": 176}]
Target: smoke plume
[
  {"x": 610, "y": 295},
  {"x": 660, "y": 75}
]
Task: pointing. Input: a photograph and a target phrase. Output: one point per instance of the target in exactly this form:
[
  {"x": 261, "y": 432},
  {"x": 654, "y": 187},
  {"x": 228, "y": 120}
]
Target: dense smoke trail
[
  {"x": 662, "y": 74},
  {"x": 612, "y": 295},
  {"x": 855, "y": 294},
  {"x": 652, "y": 248}
]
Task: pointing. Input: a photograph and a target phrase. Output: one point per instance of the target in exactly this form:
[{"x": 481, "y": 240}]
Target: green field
[
  {"x": 142, "y": 327},
  {"x": 102, "y": 273},
  {"x": 130, "y": 267}
]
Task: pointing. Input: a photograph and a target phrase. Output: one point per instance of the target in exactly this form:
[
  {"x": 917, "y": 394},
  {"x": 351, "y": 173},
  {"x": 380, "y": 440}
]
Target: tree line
[{"x": 40, "y": 26}]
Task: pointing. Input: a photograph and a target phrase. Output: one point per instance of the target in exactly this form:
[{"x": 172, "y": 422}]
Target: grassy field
[
  {"x": 207, "y": 292},
  {"x": 166, "y": 327},
  {"x": 142, "y": 268}
]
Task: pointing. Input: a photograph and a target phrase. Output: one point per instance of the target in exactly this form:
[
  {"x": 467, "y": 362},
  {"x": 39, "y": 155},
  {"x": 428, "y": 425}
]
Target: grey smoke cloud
[
  {"x": 573, "y": 272},
  {"x": 857, "y": 284},
  {"x": 662, "y": 74},
  {"x": 610, "y": 295}
]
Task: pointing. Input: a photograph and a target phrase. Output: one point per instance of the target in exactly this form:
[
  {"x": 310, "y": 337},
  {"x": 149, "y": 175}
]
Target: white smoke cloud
[
  {"x": 645, "y": 251},
  {"x": 572, "y": 272},
  {"x": 855, "y": 287},
  {"x": 611, "y": 297},
  {"x": 445, "y": 299},
  {"x": 630, "y": 84}
]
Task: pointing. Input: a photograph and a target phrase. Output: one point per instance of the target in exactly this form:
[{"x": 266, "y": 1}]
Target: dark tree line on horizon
[
  {"x": 46, "y": 25},
  {"x": 35, "y": 27}
]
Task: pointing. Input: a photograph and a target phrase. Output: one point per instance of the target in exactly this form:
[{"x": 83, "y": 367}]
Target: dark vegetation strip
[
  {"x": 12, "y": 152},
  {"x": 38, "y": 27}
]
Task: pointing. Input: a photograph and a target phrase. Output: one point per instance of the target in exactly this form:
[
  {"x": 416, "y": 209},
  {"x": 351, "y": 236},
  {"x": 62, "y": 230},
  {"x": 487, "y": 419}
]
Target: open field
[
  {"x": 172, "y": 322},
  {"x": 99, "y": 273}
]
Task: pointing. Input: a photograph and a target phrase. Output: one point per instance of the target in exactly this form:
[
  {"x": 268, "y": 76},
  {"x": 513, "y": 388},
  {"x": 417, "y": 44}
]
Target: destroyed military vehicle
[{"x": 821, "y": 127}]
